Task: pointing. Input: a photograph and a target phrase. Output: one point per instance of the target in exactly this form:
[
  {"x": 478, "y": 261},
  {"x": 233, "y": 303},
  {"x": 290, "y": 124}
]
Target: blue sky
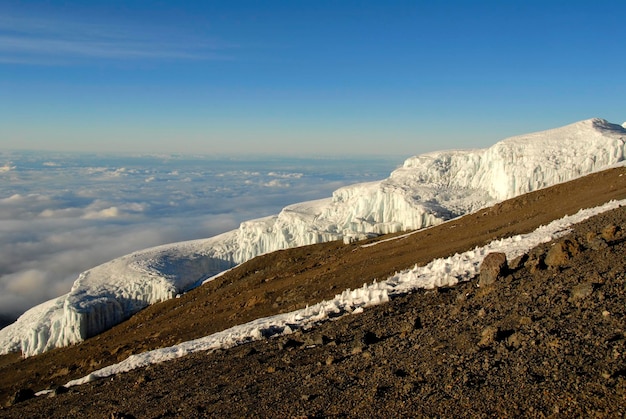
[{"x": 305, "y": 78}]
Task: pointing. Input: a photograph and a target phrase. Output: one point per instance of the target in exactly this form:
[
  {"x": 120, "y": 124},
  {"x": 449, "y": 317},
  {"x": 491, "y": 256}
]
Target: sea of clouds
[{"x": 61, "y": 214}]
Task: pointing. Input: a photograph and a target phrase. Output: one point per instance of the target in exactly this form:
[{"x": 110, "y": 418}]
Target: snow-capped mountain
[{"x": 426, "y": 190}]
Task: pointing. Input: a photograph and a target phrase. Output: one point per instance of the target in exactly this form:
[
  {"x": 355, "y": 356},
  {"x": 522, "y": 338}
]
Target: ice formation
[{"x": 426, "y": 190}]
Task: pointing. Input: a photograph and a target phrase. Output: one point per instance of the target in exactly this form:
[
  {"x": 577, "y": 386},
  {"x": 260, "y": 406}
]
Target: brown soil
[{"x": 439, "y": 363}]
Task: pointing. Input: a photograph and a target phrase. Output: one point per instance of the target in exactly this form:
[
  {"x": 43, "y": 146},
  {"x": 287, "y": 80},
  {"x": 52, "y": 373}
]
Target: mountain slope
[
  {"x": 545, "y": 339},
  {"x": 291, "y": 279},
  {"x": 425, "y": 191}
]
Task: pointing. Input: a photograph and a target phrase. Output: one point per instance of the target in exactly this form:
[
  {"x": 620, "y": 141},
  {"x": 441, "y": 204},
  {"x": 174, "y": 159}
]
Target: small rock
[
  {"x": 591, "y": 236},
  {"x": 598, "y": 243},
  {"x": 609, "y": 233},
  {"x": 408, "y": 388},
  {"x": 23, "y": 395},
  {"x": 317, "y": 340},
  {"x": 488, "y": 336},
  {"x": 144, "y": 378},
  {"x": 534, "y": 264},
  {"x": 494, "y": 267},
  {"x": 581, "y": 291},
  {"x": 289, "y": 344},
  {"x": 514, "y": 341},
  {"x": 409, "y": 326},
  {"x": 561, "y": 252},
  {"x": 518, "y": 262}
]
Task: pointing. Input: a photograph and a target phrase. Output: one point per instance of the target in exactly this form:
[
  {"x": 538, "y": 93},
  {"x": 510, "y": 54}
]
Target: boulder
[
  {"x": 561, "y": 252},
  {"x": 494, "y": 267}
]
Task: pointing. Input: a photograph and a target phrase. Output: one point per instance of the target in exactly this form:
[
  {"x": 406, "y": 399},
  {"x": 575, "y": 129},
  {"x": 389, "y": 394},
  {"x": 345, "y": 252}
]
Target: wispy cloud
[{"x": 49, "y": 41}]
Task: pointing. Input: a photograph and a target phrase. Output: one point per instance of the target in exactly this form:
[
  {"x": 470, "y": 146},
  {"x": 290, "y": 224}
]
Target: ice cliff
[{"x": 426, "y": 190}]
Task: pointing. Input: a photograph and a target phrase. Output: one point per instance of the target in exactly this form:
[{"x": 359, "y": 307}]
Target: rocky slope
[{"x": 546, "y": 339}]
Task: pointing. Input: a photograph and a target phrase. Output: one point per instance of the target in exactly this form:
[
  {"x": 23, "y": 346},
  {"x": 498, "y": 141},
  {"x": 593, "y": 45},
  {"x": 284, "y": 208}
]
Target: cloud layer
[{"x": 63, "y": 214}]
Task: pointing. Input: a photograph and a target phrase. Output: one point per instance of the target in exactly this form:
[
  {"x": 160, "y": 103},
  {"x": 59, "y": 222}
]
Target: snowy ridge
[
  {"x": 425, "y": 191},
  {"x": 439, "y": 272}
]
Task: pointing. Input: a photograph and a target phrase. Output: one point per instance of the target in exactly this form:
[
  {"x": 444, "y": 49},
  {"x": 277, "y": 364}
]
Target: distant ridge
[{"x": 427, "y": 190}]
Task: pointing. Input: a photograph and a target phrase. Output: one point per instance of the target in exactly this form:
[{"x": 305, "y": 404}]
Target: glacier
[{"x": 427, "y": 190}]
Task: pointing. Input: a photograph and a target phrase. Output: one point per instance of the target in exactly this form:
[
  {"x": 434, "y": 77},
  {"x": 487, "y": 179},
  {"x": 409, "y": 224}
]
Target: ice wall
[{"x": 426, "y": 190}]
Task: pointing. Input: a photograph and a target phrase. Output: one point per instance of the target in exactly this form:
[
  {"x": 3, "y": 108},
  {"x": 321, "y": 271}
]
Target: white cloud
[
  {"x": 286, "y": 175},
  {"x": 13, "y": 198},
  {"x": 61, "y": 213},
  {"x": 30, "y": 281},
  {"x": 275, "y": 183},
  {"x": 111, "y": 212},
  {"x": 24, "y": 289}
]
